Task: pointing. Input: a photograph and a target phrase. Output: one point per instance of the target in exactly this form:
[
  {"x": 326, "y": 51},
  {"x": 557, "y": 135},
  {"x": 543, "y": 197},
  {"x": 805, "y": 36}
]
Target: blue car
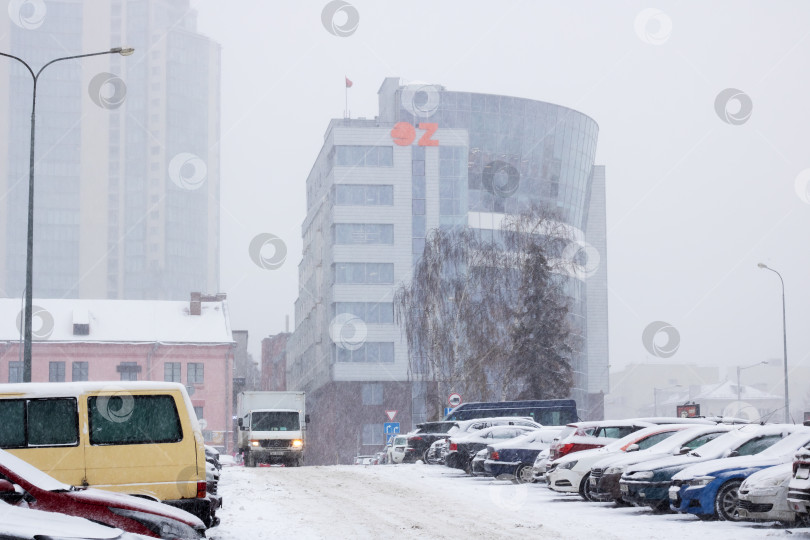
[
  {"x": 515, "y": 457},
  {"x": 711, "y": 489}
]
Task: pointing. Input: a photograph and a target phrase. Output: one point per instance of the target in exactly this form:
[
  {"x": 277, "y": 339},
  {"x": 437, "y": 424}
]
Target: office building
[{"x": 432, "y": 158}]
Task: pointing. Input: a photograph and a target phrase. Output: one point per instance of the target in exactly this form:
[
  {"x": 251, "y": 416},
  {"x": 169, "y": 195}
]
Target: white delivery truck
[{"x": 272, "y": 427}]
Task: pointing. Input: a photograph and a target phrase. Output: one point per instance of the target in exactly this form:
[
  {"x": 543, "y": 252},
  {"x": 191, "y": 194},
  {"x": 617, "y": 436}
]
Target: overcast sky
[{"x": 694, "y": 200}]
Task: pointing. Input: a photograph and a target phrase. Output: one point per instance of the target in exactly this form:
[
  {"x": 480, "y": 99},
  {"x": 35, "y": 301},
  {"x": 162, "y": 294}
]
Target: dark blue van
[{"x": 549, "y": 412}]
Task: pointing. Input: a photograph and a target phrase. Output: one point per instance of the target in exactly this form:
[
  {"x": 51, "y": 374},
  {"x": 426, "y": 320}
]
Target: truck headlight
[
  {"x": 254, "y": 443},
  {"x": 297, "y": 443}
]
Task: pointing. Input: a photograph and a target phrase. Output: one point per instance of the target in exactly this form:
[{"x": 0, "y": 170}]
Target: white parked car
[
  {"x": 571, "y": 473},
  {"x": 540, "y": 465},
  {"x": 763, "y": 495},
  {"x": 398, "y": 446}
]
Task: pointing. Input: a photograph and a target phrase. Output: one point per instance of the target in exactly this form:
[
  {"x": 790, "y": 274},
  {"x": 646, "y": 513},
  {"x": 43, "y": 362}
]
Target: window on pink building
[
  {"x": 81, "y": 371},
  {"x": 56, "y": 371},
  {"x": 171, "y": 372},
  {"x": 195, "y": 373},
  {"x": 15, "y": 371},
  {"x": 129, "y": 371}
]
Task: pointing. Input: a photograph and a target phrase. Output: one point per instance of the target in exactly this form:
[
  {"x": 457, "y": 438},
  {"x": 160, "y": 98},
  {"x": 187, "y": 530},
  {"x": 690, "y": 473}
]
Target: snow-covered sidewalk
[{"x": 420, "y": 501}]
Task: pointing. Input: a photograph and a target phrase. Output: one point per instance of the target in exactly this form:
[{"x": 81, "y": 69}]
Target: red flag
[{"x": 348, "y": 82}]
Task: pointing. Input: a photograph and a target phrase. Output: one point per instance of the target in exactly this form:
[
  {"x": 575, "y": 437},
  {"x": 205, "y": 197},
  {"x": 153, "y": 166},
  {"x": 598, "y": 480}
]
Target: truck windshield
[{"x": 275, "y": 421}]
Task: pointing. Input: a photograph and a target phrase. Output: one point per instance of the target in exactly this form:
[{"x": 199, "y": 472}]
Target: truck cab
[{"x": 271, "y": 434}]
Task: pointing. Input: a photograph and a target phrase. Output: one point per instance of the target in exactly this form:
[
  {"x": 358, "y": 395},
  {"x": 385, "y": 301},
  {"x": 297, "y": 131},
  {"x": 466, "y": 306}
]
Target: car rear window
[
  {"x": 128, "y": 419},
  {"x": 614, "y": 432}
]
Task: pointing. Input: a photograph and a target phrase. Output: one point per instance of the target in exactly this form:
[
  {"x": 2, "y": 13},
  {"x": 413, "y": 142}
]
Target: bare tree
[{"x": 488, "y": 318}]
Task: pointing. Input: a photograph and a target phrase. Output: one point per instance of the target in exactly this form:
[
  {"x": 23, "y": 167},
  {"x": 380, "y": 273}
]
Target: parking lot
[{"x": 419, "y": 501}]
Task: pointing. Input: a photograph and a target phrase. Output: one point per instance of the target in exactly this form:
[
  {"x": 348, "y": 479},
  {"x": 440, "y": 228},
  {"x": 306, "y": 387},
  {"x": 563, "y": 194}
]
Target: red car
[
  {"x": 593, "y": 434},
  {"x": 22, "y": 483}
]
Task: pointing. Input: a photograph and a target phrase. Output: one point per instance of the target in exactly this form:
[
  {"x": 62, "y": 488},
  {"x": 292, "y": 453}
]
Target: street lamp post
[
  {"x": 784, "y": 338},
  {"x": 29, "y": 259},
  {"x": 739, "y": 369}
]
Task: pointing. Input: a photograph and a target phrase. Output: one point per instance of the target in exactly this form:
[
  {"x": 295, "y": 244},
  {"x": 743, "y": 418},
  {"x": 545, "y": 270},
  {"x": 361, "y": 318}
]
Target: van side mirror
[
  {"x": 239, "y": 422},
  {"x": 8, "y": 493},
  {"x": 306, "y": 419}
]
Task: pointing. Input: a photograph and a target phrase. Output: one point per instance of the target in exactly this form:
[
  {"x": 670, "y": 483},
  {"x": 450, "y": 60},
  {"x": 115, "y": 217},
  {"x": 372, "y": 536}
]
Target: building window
[
  {"x": 364, "y": 233},
  {"x": 369, "y": 352},
  {"x": 80, "y": 371},
  {"x": 129, "y": 371},
  {"x": 15, "y": 371},
  {"x": 199, "y": 412},
  {"x": 367, "y": 273},
  {"x": 56, "y": 371},
  {"x": 373, "y": 394},
  {"x": 171, "y": 372},
  {"x": 368, "y": 312},
  {"x": 195, "y": 373},
  {"x": 363, "y": 195},
  {"x": 365, "y": 156},
  {"x": 373, "y": 434}
]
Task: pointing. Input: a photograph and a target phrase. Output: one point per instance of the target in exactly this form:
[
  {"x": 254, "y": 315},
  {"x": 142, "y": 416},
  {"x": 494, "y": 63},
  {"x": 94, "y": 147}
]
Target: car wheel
[
  {"x": 725, "y": 505},
  {"x": 525, "y": 474},
  {"x": 583, "y": 487},
  {"x": 468, "y": 467}
]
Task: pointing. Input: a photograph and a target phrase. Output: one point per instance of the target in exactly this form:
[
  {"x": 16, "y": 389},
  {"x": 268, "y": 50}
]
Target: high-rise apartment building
[
  {"x": 432, "y": 158},
  {"x": 127, "y": 155}
]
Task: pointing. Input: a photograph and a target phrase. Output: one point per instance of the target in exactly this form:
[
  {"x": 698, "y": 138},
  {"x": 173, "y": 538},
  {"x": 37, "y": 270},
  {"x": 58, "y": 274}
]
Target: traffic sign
[
  {"x": 454, "y": 400},
  {"x": 391, "y": 415},
  {"x": 447, "y": 410},
  {"x": 390, "y": 437},
  {"x": 391, "y": 428}
]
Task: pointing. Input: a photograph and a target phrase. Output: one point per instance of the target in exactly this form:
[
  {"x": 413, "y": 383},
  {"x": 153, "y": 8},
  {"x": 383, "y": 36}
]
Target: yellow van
[{"x": 140, "y": 438}]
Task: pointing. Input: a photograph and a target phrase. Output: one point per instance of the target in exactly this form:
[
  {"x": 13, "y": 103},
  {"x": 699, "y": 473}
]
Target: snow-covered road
[{"x": 419, "y": 501}]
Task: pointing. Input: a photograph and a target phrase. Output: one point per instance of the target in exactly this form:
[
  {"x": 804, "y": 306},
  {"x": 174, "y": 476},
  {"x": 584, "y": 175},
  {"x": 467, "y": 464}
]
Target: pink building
[{"x": 129, "y": 340}]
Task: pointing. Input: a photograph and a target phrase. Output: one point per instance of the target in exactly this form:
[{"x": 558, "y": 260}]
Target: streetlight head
[
  {"x": 762, "y": 265},
  {"x": 123, "y": 51}
]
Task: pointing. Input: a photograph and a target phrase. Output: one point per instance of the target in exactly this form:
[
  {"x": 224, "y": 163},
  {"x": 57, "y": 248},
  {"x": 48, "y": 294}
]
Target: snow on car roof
[{"x": 76, "y": 389}]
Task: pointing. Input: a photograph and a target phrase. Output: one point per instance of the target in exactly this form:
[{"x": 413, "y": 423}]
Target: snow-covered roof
[
  {"x": 129, "y": 321},
  {"x": 728, "y": 390},
  {"x": 725, "y": 391}
]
